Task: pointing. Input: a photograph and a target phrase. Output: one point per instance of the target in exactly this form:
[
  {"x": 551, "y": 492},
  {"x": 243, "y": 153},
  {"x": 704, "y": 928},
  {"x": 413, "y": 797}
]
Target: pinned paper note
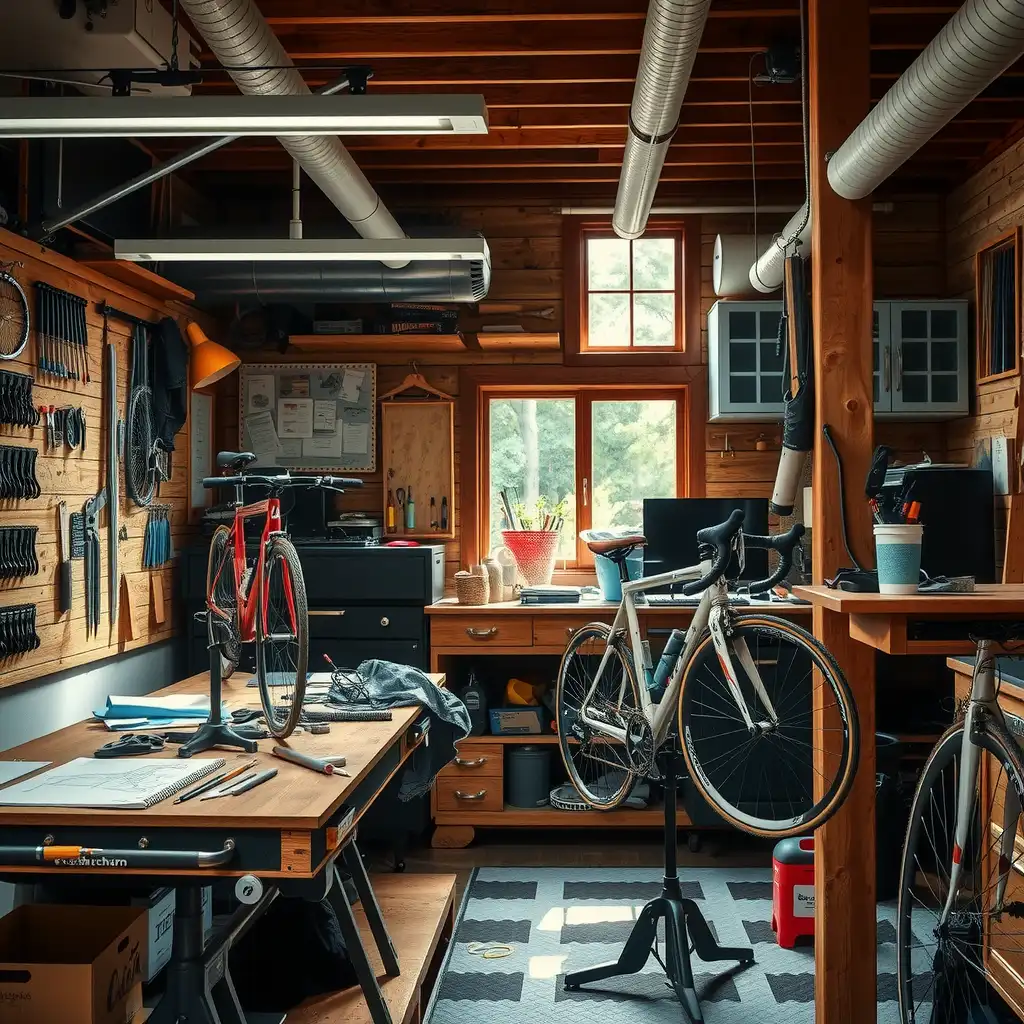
[
  {"x": 262, "y": 434},
  {"x": 350, "y": 385},
  {"x": 260, "y": 393},
  {"x": 295, "y": 417},
  {"x": 356, "y": 437},
  {"x": 291, "y": 447},
  {"x": 322, "y": 446},
  {"x": 325, "y": 416}
]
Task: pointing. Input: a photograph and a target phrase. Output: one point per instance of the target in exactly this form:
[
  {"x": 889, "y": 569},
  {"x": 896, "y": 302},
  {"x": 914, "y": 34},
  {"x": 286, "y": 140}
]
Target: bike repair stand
[
  {"x": 215, "y": 732},
  {"x": 680, "y": 917}
]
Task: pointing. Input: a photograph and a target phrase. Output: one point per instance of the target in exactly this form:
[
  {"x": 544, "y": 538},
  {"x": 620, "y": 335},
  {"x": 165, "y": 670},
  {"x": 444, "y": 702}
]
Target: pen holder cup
[
  {"x": 898, "y": 557},
  {"x": 534, "y": 552}
]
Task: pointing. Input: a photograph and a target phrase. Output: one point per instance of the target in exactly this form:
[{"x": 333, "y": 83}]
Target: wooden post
[{"x": 841, "y": 276}]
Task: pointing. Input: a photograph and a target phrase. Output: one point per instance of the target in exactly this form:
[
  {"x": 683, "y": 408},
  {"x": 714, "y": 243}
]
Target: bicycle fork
[{"x": 749, "y": 666}]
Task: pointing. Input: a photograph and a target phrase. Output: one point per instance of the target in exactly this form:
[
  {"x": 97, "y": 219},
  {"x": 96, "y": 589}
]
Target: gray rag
[{"x": 397, "y": 686}]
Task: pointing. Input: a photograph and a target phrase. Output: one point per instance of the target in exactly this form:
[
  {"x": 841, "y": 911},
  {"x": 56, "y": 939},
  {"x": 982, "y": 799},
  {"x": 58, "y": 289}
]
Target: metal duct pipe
[
  {"x": 449, "y": 281},
  {"x": 973, "y": 49},
  {"x": 241, "y": 39},
  {"x": 671, "y": 36}
]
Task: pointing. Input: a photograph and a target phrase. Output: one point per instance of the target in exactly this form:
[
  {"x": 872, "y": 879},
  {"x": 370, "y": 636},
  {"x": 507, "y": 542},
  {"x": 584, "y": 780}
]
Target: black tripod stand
[{"x": 680, "y": 917}]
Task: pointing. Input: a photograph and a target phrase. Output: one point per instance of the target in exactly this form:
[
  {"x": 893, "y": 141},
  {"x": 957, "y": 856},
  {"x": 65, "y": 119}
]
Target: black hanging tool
[
  {"x": 64, "y": 574},
  {"x": 18, "y": 472},
  {"x": 18, "y": 630},
  {"x": 18, "y": 557},
  {"x": 131, "y": 744},
  {"x": 65, "y": 427},
  {"x": 157, "y": 548},
  {"x": 62, "y": 333},
  {"x": 77, "y": 535},
  {"x": 444, "y": 513},
  {"x": 91, "y": 513},
  {"x": 16, "y": 408}
]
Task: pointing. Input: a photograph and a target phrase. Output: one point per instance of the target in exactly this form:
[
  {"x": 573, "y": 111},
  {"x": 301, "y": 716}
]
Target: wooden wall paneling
[{"x": 78, "y": 475}]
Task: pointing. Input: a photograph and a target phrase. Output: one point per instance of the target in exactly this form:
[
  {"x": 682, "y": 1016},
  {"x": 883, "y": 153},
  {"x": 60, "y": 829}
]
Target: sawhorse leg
[{"x": 354, "y": 862}]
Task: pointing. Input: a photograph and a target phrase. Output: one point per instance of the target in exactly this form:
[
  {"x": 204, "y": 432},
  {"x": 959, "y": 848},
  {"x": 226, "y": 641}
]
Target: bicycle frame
[{"x": 711, "y": 612}]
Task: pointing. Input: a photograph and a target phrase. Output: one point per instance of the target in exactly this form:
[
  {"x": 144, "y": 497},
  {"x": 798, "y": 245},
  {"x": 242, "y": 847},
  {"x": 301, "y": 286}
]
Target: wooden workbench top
[
  {"x": 451, "y": 606},
  {"x": 297, "y": 798},
  {"x": 987, "y": 599}
]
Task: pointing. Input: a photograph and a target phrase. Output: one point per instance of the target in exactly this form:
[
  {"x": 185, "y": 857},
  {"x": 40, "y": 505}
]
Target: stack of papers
[{"x": 173, "y": 711}]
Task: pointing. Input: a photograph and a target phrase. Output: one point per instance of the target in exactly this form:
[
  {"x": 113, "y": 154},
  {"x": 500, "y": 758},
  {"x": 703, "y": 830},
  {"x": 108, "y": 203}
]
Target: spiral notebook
[{"x": 130, "y": 784}]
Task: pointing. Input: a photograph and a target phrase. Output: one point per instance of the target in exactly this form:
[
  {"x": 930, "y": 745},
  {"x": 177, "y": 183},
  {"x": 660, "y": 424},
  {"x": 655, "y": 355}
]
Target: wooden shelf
[
  {"x": 141, "y": 278},
  {"x": 491, "y": 341},
  {"x": 419, "y": 913},
  {"x": 326, "y": 344}
]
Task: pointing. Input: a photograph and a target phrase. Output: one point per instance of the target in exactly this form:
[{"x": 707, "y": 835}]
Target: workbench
[
  {"x": 286, "y": 835},
  {"x": 470, "y": 792},
  {"x": 894, "y": 624}
]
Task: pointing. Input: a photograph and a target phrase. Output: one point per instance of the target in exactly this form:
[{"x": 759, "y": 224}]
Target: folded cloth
[
  {"x": 172, "y": 705},
  {"x": 396, "y": 686}
]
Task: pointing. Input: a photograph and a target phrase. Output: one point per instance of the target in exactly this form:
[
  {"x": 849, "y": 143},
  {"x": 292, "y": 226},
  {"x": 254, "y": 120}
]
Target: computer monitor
[{"x": 671, "y": 525}]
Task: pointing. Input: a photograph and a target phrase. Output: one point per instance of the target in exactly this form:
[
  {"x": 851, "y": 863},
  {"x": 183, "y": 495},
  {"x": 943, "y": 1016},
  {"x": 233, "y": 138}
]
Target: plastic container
[
  {"x": 898, "y": 557},
  {"x": 528, "y": 776},
  {"x": 608, "y": 574},
  {"x": 793, "y": 890}
]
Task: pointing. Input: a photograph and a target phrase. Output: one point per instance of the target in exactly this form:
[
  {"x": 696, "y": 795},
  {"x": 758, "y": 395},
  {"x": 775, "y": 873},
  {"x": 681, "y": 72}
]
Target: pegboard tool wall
[{"x": 74, "y": 476}]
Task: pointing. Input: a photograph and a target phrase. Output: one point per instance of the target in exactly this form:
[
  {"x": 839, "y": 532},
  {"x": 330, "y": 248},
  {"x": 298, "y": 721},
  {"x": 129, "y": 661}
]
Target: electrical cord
[{"x": 842, "y": 495}]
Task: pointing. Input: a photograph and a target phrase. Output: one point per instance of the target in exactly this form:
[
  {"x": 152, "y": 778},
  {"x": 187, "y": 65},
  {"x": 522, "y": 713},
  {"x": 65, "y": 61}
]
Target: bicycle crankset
[{"x": 640, "y": 747}]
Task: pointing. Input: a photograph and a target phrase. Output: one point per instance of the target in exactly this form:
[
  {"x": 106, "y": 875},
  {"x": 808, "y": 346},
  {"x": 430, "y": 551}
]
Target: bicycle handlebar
[
  {"x": 284, "y": 480},
  {"x": 720, "y": 538},
  {"x": 785, "y": 544}
]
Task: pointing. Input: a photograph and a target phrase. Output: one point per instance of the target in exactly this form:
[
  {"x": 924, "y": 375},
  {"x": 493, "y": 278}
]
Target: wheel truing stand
[
  {"x": 683, "y": 922},
  {"x": 216, "y": 732}
]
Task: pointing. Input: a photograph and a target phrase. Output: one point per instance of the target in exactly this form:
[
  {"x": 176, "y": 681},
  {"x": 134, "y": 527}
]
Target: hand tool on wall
[
  {"x": 16, "y": 408},
  {"x": 62, "y": 333},
  {"x": 444, "y": 513},
  {"x": 433, "y": 513},
  {"x": 91, "y": 514},
  {"x": 18, "y": 472},
  {"x": 114, "y": 448},
  {"x": 65, "y": 427},
  {"x": 410, "y": 510},
  {"x": 18, "y": 557},
  {"x": 18, "y": 630},
  {"x": 157, "y": 548},
  {"x": 64, "y": 574}
]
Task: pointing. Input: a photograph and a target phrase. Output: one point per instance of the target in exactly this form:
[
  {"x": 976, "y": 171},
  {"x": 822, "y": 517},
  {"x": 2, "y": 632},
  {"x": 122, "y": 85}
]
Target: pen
[
  {"x": 257, "y": 780},
  {"x": 313, "y": 763},
  {"x": 215, "y": 781},
  {"x": 225, "y": 790}
]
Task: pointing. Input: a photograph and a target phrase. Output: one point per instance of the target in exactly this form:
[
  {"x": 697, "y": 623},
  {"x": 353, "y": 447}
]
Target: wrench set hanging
[
  {"x": 91, "y": 513},
  {"x": 16, "y": 407},
  {"x": 18, "y": 472},
  {"x": 18, "y": 630},
  {"x": 18, "y": 557},
  {"x": 157, "y": 547},
  {"x": 65, "y": 427},
  {"x": 62, "y": 334}
]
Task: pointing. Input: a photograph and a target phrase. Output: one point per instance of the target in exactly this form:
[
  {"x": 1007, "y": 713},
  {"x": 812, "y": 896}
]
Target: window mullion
[{"x": 584, "y": 447}]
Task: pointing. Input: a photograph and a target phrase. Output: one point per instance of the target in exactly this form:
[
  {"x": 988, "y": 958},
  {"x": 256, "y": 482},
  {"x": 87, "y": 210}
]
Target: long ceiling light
[
  {"x": 282, "y": 250},
  {"x": 43, "y": 117}
]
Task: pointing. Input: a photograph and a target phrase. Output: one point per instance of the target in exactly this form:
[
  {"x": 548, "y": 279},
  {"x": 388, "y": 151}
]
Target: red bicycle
[{"x": 261, "y": 598}]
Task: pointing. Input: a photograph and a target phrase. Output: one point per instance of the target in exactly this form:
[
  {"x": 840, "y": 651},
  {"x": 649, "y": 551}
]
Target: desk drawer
[
  {"x": 477, "y": 759},
  {"x": 470, "y": 794},
  {"x": 485, "y": 630},
  {"x": 555, "y": 630},
  {"x": 384, "y": 622}
]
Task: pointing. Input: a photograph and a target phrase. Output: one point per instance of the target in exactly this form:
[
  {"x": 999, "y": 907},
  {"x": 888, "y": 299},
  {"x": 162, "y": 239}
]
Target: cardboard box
[{"x": 71, "y": 965}]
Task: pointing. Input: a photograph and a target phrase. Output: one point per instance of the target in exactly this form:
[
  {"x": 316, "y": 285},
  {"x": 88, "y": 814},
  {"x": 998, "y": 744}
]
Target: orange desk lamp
[{"x": 209, "y": 361}]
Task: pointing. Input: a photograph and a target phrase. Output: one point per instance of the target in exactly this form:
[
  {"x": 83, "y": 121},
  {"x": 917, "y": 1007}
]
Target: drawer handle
[
  {"x": 459, "y": 795},
  {"x": 477, "y": 762},
  {"x": 481, "y": 634},
  {"x": 338, "y": 612},
  {"x": 385, "y": 621},
  {"x": 569, "y": 630}
]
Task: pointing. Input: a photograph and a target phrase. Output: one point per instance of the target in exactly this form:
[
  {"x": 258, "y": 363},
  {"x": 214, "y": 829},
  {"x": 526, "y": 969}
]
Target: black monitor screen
[{"x": 671, "y": 525}]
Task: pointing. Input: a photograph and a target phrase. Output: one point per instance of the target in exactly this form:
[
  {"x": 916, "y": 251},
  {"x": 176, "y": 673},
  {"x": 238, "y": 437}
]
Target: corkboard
[{"x": 418, "y": 452}]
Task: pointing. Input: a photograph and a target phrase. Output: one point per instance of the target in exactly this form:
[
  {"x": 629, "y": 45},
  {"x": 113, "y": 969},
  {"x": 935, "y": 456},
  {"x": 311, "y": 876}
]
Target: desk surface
[
  {"x": 987, "y": 599},
  {"x": 451, "y": 606},
  {"x": 296, "y": 799}
]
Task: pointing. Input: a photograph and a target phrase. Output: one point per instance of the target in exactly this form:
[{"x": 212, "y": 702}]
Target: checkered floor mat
[{"x": 560, "y": 920}]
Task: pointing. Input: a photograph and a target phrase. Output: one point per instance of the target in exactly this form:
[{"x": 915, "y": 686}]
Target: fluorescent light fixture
[
  {"x": 44, "y": 117},
  {"x": 246, "y": 250}
]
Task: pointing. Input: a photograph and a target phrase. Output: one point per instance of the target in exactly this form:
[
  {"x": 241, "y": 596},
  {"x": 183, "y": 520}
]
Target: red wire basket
[{"x": 534, "y": 552}]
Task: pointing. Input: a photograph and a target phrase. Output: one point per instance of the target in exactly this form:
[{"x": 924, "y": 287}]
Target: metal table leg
[{"x": 354, "y": 862}]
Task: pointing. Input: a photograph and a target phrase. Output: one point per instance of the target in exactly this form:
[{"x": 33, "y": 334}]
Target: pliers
[{"x": 91, "y": 515}]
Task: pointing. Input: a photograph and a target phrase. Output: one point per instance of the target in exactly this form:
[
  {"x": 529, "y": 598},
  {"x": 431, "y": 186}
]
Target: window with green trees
[{"x": 595, "y": 453}]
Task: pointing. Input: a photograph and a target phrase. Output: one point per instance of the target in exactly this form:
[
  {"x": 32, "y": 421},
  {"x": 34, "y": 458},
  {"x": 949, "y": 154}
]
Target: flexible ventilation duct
[
  {"x": 973, "y": 49},
  {"x": 451, "y": 281},
  {"x": 671, "y": 36},
  {"x": 241, "y": 39},
  {"x": 768, "y": 270}
]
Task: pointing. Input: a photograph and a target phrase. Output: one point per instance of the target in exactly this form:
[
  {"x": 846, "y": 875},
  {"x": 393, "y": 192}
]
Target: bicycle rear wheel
[
  {"x": 282, "y": 638},
  {"x": 598, "y": 766},
  {"x": 220, "y": 592},
  {"x": 783, "y": 778},
  {"x": 942, "y": 977}
]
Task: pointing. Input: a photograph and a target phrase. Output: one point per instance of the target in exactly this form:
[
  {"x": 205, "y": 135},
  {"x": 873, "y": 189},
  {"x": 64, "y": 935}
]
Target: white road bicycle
[{"x": 740, "y": 691}]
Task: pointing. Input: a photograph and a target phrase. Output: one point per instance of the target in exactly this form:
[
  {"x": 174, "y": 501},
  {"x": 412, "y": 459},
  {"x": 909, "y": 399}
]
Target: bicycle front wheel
[
  {"x": 782, "y": 777},
  {"x": 282, "y": 638},
  {"x": 943, "y": 966}
]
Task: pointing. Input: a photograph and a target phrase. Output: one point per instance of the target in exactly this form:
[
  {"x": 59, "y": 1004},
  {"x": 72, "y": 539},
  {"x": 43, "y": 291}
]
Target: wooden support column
[{"x": 841, "y": 276}]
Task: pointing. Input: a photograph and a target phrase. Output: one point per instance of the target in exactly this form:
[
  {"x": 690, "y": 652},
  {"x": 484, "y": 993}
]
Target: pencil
[{"x": 215, "y": 781}]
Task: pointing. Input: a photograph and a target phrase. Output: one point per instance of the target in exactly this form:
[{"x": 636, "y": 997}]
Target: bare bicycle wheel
[
  {"x": 601, "y": 768},
  {"x": 14, "y": 317},
  {"x": 220, "y": 590},
  {"x": 139, "y": 473}
]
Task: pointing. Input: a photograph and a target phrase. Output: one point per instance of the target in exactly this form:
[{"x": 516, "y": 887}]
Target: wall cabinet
[{"x": 919, "y": 359}]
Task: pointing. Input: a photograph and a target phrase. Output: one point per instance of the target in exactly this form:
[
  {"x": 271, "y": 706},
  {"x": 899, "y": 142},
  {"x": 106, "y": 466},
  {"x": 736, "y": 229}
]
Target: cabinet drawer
[
  {"x": 555, "y": 630},
  {"x": 477, "y": 759},
  {"x": 493, "y": 630},
  {"x": 470, "y": 794},
  {"x": 384, "y": 622}
]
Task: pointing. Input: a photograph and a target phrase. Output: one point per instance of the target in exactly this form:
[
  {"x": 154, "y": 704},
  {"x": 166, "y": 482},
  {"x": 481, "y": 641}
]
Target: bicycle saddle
[
  {"x": 234, "y": 460},
  {"x": 614, "y": 548}
]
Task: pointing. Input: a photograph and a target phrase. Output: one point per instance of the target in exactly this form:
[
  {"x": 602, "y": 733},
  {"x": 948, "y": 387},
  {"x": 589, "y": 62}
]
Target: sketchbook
[{"x": 109, "y": 783}]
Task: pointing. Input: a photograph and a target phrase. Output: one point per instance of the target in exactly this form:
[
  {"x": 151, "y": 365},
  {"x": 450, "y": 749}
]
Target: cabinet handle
[
  {"x": 899, "y": 366},
  {"x": 385, "y": 621},
  {"x": 569, "y": 630},
  {"x": 459, "y": 795},
  {"x": 481, "y": 634},
  {"x": 886, "y": 356},
  {"x": 477, "y": 762},
  {"x": 338, "y": 612}
]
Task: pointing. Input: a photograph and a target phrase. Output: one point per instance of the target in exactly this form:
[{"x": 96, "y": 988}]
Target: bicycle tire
[
  {"x": 139, "y": 478},
  {"x": 911, "y": 913},
  {"x": 220, "y": 586},
  {"x": 13, "y": 310},
  {"x": 797, "y": 822},
  {"x": 567, "y": 708},
  {"x": 284, "y": 669}
]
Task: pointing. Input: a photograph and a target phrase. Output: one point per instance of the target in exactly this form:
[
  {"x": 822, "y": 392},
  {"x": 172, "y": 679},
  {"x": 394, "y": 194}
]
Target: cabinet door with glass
[
  {"x": 746, "y": 360},
  {"x": 881, "y": 359},
  {"x": 929, "y": 359}
]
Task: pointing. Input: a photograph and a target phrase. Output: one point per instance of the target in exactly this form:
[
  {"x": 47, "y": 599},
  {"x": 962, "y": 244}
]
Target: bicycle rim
[
  {"x": 597, "y": 766},
  {"x": 769, "y": 782},
  {"x": 139, "y": 479},
  {"x": 941, "y": 972},
  {"x": 14, "y": 318},
  {"x": 220, "y": 592},
  {"x": 282, "y": 640}
]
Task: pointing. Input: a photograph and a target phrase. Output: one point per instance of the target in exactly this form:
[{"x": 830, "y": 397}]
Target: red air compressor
[{"x": 793, "y": 890}]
